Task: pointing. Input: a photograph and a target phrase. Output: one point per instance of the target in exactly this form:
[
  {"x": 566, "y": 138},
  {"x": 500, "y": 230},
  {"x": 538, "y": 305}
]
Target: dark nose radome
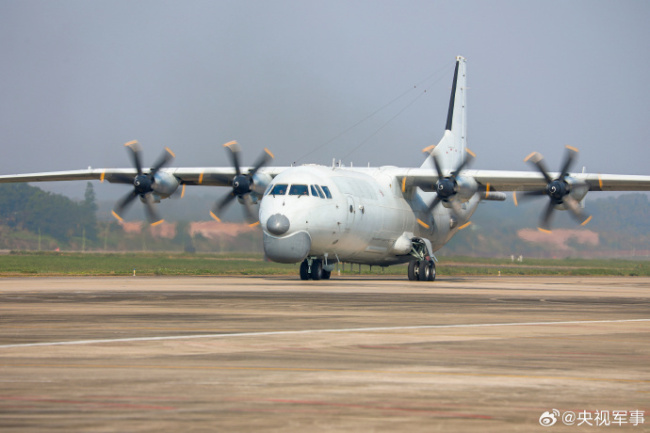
[{"x": 277, "y": 224}]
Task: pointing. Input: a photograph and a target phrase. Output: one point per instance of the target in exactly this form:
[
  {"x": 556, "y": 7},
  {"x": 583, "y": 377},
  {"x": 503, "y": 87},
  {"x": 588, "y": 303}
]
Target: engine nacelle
[
  {"x": 466, "y": 188},
  {"x": 260, "y": 182},
  {"x": 165, "y": 184}
]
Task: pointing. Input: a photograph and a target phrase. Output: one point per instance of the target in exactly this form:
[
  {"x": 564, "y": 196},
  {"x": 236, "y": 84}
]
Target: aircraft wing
[
  {"x": 210, "y": 176},
  {"x": 504, "y": 180}
]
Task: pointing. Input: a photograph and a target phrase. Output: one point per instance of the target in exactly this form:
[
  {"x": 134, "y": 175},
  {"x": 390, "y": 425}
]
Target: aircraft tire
[
  {"x": 414, "y": 270},
  {"x": 326, "y": 274},
  {"x": 304, "y": 270},
  {"x": 425, "y": 270},
  {"x": 316, "y": 270},
  {"x": 432, "y": 272}
]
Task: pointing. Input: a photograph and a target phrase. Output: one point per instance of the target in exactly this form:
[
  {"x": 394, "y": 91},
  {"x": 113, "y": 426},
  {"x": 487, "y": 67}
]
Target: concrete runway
[{"x": 162, "y": 354}]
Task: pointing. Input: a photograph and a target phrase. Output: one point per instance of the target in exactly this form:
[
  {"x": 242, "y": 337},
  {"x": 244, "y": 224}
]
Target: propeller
[
  {"x": 142, "y": 183},
  {"x": 241, "y": 183},
  {"x": 447, "y": 186},
  {"x": 558, "y": 190}
]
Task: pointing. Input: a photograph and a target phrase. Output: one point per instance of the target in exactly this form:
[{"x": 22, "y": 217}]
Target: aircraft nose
[{"x": 277, "y": 224}]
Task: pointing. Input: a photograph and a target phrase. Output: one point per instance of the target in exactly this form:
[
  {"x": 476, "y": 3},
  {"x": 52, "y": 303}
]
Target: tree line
[{"x": 30, "y": 208}]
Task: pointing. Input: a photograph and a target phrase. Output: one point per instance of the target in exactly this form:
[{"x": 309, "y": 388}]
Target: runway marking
[{"x": 312, "y": 331}]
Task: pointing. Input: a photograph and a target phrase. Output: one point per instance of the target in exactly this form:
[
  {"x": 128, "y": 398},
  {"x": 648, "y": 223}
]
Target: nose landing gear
[{"x": 313, "y": 268}]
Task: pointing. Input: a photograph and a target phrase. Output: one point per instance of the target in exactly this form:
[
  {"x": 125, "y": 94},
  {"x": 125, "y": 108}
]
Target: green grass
[
  {"x": 32, "y": 264},
  {"x": 142, "y": 263}
]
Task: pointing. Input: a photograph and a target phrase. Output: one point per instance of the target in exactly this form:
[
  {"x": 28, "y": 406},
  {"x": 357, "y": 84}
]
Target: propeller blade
[
  {"x": 536, "y": 193},
  {"x": 468, "y": 158},
  {"x": 226, "y": 180},
  {"x": 537, "y": 159},
  {"x": 456, "y": 209},
  {"x": 221, "y": 205},
  {"x": 123, "y": 204},
  {"x": 573, "y": 206},
  {"x": 121, "y": 178},
  {"x": 166, "y": 157},
  {"x": 264, "y": 159},
  {"x": 136, "y": 152},
  {"x": 438, "y": 169},
  {"x": 545, "y": 223},
  {"x": 249, "y": 211},
  {"x": 234, "y": 149},
  {"x": 150, "y": 209},
  {"x": 433, "y": 204},
  {"x": 570, "y": 156}
]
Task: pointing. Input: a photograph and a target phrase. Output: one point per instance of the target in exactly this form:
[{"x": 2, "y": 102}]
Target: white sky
[{"x": 80, "y": 78}]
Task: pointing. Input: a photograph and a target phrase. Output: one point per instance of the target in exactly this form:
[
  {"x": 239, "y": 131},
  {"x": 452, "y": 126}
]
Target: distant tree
[
  {"x": 89, "y": 212},
  {"x": 30, "y": 208}
]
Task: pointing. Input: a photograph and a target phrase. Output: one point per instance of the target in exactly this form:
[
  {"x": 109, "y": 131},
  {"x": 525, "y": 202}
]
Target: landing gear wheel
[
  {"x": 317, "y": 269},
  {"x": 414, "y": 270},
  {"x": 432, "y": 272},
  {"x": 304, "y": 270},
  {"x": 425, "y": 270},
  {"x": 326, "y": 274}
]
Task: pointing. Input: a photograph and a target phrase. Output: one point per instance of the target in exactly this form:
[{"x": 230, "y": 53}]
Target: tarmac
[{"x": 363, "y": 354}]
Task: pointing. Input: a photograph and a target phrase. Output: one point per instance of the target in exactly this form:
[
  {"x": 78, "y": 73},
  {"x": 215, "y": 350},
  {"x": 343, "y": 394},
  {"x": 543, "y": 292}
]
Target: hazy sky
[{"x": 80, "y": 78}]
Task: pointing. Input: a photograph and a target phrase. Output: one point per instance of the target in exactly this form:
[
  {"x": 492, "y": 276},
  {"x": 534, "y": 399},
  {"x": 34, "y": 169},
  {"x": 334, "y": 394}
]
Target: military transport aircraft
[{"x": 321, "y": 215}]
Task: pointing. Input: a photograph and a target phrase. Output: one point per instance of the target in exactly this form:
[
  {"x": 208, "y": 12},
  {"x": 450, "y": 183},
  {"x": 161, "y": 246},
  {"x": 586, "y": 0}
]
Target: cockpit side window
[
  {"x": 279, "y": 189},
  {"x": 328, "y": 194},
  {"x": 320, "y": 192},
  {"x": 313, "y": 190},
  {"x": 298, "y": 190}
]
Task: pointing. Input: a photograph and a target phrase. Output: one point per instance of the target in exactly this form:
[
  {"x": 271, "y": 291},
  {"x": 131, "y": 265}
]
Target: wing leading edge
[
  {"x": 209, "y": 176},
  {"x": 503, "y": 180}
]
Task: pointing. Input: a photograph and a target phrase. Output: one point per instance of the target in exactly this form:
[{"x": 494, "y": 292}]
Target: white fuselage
[{"x": 368, "y": 218}]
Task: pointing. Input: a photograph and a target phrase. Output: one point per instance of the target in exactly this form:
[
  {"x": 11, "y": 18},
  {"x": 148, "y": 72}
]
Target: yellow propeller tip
[
  {"x": 423, "y": 224},
  {"x": 529, "y": 156},
  {"x": 131, "y": 143},
  {"x": 269, "y": 152},
  {"x": 254, "y": 224},
  {"x": 157, "y": 223},
  {"x": 429, "y": 149},
  {"x": 575, "y": 149},
  {"x": 471, "y": 153},
  {"x": 170, "y": 152},
  {"x": 230, "y": 143},
  {"x": 119, "y": 218},
  {"x": 467, "y": 224},
  {"x": 543, "y": 230},
  {"x": 212, "y": 214},
  {"x": 585, "y": 222}
]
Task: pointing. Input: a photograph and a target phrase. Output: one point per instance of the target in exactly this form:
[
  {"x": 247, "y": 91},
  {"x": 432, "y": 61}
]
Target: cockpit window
[
  {"x": 298, "y": 190},
  {"x": 328, "y": 194},
  {"x": 316, "y": 191},
  {"x": 320, "y": 192},
  {"x": 279, "y": 189}
]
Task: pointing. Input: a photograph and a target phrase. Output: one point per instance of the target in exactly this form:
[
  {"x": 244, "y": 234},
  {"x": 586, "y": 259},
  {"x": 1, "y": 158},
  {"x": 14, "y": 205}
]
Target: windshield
[
  {"x": 280, "y": 189},
  {"x": 298, "y": 190},
  {"x": 328, "y": 194}
]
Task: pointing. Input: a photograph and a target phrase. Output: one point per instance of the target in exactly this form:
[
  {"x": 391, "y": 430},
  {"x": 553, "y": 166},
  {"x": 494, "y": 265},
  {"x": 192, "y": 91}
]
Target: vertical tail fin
[{"x": 450, "y": 151}]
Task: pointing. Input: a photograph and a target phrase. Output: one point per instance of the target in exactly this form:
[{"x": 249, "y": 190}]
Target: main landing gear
[
  {"x": 313, "y": 268},
  {"x": 422, "y": 270},
  {"x": 421, "y": 267}
]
